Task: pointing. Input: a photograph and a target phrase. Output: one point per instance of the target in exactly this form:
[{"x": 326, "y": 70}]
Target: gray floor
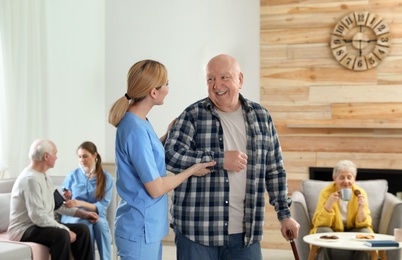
[{"x": 169, "y": 253}]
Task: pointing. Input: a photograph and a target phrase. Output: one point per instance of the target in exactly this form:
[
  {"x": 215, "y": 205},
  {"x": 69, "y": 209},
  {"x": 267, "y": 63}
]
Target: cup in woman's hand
[{"x": 345, "y": 193}]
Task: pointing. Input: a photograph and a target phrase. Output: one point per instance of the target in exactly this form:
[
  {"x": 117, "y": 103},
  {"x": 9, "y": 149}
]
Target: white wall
[
  {"x": 93, "y": 43},
  {"x": 183, "y": 35},
  {"x": 76, "y": 77}
]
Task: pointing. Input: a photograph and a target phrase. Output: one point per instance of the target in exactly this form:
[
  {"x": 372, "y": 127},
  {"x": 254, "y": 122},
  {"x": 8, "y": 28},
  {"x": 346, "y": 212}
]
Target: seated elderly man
[
  {"x": 32, "y": 210},
  {"x": 349, "y": 213}
]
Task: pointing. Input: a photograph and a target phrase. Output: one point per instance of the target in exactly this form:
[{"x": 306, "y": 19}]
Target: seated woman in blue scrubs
[
  {"x": 142, "y": 181},
  {"x": 89, "y": 187}
]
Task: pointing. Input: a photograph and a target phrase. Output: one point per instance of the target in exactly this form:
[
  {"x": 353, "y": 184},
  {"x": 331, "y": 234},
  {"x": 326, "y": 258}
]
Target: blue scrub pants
[
  {"x": 138, "y": 250},
  {"x": 100, "y": 233}
]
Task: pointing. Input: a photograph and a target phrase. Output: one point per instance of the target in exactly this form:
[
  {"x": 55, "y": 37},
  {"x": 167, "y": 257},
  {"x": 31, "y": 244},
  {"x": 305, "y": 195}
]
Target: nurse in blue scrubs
[
  {"x": 90, "y": 188},
  {"x": 141, "y": 178}
]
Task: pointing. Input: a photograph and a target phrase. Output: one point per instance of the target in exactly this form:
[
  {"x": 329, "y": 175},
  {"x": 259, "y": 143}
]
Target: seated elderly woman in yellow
[{"x": 333, "y": 214}]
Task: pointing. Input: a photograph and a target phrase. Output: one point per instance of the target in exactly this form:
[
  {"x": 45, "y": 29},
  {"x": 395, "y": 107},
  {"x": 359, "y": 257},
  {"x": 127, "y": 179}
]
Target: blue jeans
[{"x": 234, "y": 250}]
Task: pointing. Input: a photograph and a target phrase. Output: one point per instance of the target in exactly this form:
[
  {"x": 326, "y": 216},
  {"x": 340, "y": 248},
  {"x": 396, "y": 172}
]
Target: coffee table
[{"x": 348, "y": 241}]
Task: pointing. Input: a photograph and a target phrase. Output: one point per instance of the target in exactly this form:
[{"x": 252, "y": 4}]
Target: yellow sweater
[{"x": 323, "y": 218}]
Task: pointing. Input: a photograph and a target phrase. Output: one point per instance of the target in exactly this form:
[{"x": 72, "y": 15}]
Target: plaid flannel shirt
[{"x": 200, "y": 205}]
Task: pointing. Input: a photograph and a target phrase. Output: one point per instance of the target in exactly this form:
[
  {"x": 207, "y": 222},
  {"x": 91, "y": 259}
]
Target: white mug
[
  {"x": 398, "y": 234},
  {"x": 345, "y": 193}
]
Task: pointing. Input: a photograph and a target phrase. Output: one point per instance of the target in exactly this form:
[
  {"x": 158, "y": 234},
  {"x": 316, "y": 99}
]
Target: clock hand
[{"x": 359, "y": 41}]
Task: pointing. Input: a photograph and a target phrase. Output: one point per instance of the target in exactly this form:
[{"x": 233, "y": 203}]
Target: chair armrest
[
  {"x": 390, "y": 215},
  {"x": 299, "y": 199},
  {"x": 300, "y": 214}
]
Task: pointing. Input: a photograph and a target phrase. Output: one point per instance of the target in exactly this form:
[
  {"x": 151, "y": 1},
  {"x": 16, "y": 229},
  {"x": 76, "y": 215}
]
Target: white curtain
[
  {"x": 22, "y": 81},
  {"x": 2, "y": 112}
]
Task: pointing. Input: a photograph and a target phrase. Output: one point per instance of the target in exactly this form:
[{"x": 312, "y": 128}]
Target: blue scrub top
[
  {"x": 84, "y": 189},
  {"x": 140, "y": 158}
]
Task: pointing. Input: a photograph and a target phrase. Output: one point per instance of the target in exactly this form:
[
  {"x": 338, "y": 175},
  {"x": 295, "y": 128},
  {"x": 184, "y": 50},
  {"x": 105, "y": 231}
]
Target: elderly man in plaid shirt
[{"x": 221, "y": 215}]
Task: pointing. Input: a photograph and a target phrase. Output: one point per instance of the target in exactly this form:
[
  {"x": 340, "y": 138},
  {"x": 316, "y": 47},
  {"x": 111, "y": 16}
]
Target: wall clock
[{"x": 360, "y": 41}]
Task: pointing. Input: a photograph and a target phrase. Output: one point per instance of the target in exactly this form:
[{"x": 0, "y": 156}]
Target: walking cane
[{"x": 289, "y": 233}]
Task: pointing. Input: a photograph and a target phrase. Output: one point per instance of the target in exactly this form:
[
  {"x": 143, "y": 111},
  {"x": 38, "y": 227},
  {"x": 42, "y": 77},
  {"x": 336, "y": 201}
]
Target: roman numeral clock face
[{"x": 360, "y": 41}]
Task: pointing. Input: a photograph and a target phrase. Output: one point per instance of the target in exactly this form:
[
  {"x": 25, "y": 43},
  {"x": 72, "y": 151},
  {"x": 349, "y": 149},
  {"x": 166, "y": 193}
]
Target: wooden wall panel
[
  {"x": 323, "y": 112},
  {"x": 367, "y": 110},
  {"x": 356, "y": 93}
]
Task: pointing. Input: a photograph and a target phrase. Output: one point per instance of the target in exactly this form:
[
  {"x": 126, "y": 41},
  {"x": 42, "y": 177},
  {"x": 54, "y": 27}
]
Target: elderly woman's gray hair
[{"x": 345, "y": 166}]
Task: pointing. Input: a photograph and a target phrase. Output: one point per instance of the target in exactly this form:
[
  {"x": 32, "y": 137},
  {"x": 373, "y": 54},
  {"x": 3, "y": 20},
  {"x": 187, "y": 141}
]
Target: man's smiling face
[{"x": 224, "y": 80}]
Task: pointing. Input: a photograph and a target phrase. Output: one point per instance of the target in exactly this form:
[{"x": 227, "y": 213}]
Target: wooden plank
[
  {"x": 391, "y": 64},
  {"x": 347, "y": 123},
  {"x": 300, "y": 106},
  {"x": 283, "y": 98},
  {"x": 376, "y": 4},
  {"x": 300, "y": 56},
  {"x": 319, "y": 77},
  {"x": 341, "y": 3},
  {"x": 314, "y": 116},
  {"x": 389, "y": 79},
  {"x": 297, "y": 63},
  {"x": 387, "y": 133},
  {"x": 297, "y": 165},
  {"x": 273, "y": 52},
  {"x": 374, "y": 93},
  {"x": 282, "y": 128},
  {"x": 392, "y": 161},
  {"x": 351, "y": 132},
  {"x": 296, "y": 36},
  {"x": 295, "y": 112},
  {"x": 382, "y": 8},
  {"x": 293, "y": 185},
  {"x": 396, "y": 48},
  {"x": 307, "y": 51},
  {"x": 306, "y": 16},
  {"x": 396, "y": 30},
  {"x": 310, "y": 6},
  {"x": 341, "y": 144},
  {"x": 328, "y": 14},
  {"x": 277, "y": 2},
  {"x": 368, "y": 111},
  {"x": 272, "y": 90}
]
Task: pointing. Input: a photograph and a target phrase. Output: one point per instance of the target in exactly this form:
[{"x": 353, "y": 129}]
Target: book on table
[{"x": 381, "y": 243}]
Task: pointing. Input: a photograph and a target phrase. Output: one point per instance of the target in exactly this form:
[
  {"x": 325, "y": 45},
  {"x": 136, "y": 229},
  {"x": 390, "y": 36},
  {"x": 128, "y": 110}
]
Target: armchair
[{"x": 386, "y": 211}]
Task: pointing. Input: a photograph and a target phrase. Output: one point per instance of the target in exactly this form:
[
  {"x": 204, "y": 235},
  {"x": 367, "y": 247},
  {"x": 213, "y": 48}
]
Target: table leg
[
  {"x": 383, "y": 254},
  {"x": 313, "y": 252},
  {"x": 374, "y": 255}
]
